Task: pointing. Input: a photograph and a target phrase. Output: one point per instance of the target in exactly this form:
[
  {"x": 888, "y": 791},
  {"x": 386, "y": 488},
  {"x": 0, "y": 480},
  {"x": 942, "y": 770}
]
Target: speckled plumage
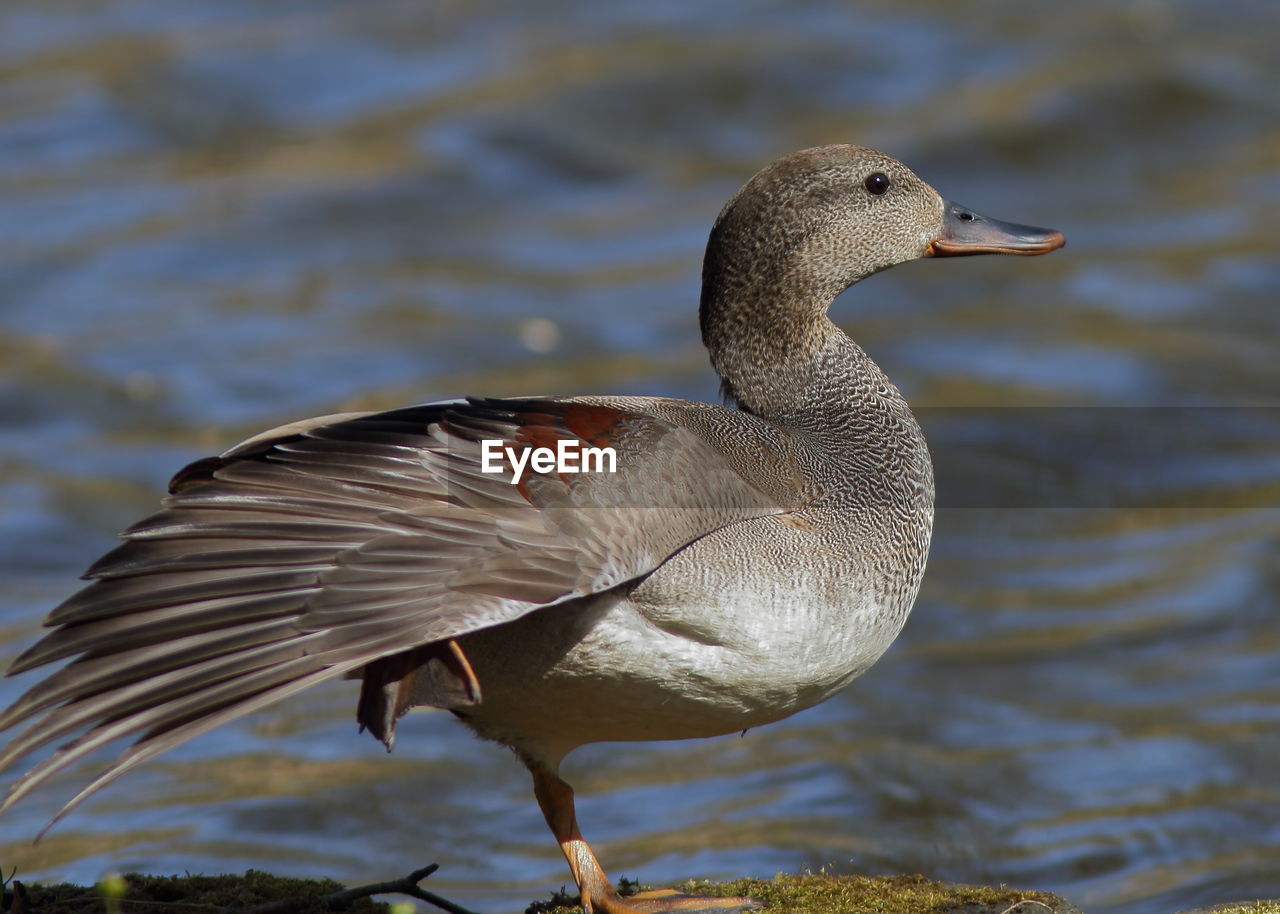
[{"x": 740, "y": 565}]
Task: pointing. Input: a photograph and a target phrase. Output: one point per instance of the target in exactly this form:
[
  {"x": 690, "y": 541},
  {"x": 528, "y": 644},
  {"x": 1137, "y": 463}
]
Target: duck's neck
[
  {"x": 862, "y": 446},
  {"x": 780, "y": 357}
]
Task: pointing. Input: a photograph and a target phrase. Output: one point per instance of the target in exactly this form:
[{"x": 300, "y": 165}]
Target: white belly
[{"x": 695, "y": 650}]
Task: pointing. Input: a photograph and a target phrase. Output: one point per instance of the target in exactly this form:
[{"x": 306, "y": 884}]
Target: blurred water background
[{"x": 220, "y": 215}]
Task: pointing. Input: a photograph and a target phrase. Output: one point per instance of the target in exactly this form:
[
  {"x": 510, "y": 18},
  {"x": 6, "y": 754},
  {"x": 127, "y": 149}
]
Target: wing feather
[{"x": 301, "y": 557}]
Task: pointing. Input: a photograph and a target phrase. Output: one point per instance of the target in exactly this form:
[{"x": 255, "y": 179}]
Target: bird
[{"x": 553, "y": 571}]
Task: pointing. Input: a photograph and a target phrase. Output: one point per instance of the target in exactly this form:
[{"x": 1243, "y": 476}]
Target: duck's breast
[{"x": 743, "y": 627}]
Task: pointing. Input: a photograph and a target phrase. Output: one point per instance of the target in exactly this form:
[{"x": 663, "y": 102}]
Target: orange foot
[
  {"x": 598, "y": 895},
  {"x": 663, "y": 900}
]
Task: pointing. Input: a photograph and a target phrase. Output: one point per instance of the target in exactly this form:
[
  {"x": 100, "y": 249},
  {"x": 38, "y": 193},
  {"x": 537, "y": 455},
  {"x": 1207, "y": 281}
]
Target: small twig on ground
[
  {"x": 408, "y": 885},
  {"x": 1022, "y": 901}
]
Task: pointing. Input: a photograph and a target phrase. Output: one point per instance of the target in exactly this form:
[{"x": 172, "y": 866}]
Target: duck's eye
[{"x": 876, "y": 183}]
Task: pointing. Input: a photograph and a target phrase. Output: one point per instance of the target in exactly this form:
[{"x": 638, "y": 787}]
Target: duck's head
[
  {"x": 820, "y": 219},
  {"x": 806, "y": 228}
]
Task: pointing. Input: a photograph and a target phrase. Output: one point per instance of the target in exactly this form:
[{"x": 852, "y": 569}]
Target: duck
[{"x": 552, "y": 571}]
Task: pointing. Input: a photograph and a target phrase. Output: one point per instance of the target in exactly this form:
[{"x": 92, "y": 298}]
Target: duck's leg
[
  {"x": 556, "y": 799},
  {"x": 598, "y": 895}
]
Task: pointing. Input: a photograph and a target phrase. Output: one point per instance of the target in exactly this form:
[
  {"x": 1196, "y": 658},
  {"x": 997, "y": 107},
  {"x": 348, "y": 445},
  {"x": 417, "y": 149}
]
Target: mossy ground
[
  {"x": 185, "y": 895},
  {"x": 817, "y": 893},
  {"x": 1251, "y": 907},
  {"x": 812, "y": 893}
]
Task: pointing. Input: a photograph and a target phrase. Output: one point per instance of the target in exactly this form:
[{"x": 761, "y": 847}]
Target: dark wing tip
[{"x": 195, "y": 473}]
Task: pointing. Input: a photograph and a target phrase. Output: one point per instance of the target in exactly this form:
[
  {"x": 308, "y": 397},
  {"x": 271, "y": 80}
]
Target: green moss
[
  {"x": 187, "y": 895},
  {"x": 1251, "y": 907},
  {"x": 817, "y": 893}
]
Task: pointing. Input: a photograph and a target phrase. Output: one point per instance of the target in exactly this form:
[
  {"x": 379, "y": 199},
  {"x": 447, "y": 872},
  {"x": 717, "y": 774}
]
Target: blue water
[{"x": 221, "y": 216}]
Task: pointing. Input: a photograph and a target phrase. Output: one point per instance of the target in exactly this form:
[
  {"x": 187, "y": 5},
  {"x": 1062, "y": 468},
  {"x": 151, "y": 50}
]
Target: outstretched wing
[{"x": 315, "y": 550}]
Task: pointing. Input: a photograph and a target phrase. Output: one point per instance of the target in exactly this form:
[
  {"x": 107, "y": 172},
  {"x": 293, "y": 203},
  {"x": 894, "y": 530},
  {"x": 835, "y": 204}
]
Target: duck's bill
[{"x": 966, "y": 232}]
